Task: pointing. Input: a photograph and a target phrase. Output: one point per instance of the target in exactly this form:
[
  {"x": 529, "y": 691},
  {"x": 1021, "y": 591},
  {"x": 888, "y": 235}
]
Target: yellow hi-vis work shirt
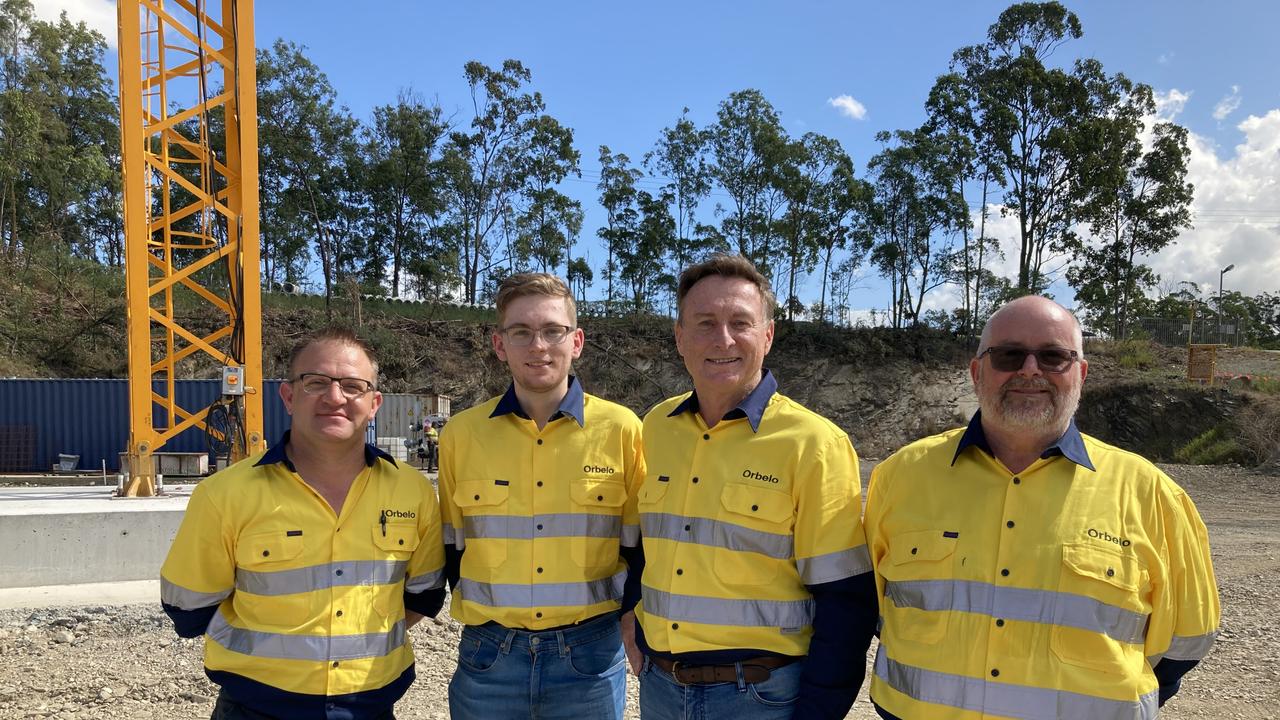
[
  {"x": 540, "y": 515},
  {"x": 736, "y": 520},
  {"x": 302, "y": 605},
  {"x": 1050, "y": 593}
]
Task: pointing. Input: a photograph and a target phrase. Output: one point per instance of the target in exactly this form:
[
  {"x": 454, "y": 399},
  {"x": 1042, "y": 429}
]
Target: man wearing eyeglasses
[
  {"x": 537, "y": 495},
  {"x": 1027, "y": 570},
  {"x": 304, "y": 567}
]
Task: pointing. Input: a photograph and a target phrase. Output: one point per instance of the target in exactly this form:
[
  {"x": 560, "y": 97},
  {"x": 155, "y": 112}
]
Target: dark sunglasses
[{"x": 1010, "y": 358}]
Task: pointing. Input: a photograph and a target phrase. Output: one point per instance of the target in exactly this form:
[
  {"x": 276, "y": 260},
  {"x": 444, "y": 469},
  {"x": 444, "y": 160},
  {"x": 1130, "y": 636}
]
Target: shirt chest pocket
[
  {"x": 271, "y": 590},
  {"x": 1102, "y": 607},
  {"x": 597, "y": 523},
  {"x": 395, "y": 543},
  {"x": 919, "y": 586},
  {"x": 753, "y": 534},
  {"x": 483, "y": 505}
]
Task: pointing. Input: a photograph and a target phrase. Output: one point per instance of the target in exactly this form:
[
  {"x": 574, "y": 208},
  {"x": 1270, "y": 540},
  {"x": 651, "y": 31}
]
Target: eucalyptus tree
[
  {"x": 549, "y": 221},
  {"x": 747, "y": 144},
  {"x": 309, "y": 149},
  {"x": 1138, "y": 203},
  {"x": 403, "y": 179},
  {"x": 914, "y": 211},
  {"x": 618, "y": 197},
  {"x": 680, "y": 159}
]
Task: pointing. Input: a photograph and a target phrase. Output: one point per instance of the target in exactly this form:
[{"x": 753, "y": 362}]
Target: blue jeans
[
  {"x": 578, "y": 673},
  {"x": 662, "y": 698}
]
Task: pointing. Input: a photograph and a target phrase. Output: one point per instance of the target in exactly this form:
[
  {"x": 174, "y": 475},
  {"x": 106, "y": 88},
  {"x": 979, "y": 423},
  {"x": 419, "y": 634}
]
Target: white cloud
[
  {"x": 1165, "y": 58},
  {"x": 99, "y": 15},
  {"x": 1236, "y": 214},
  {"x": 848, "y": 106},
  {"x": 1171, "y": 104},
  {"x": 1228, "y": 104}
]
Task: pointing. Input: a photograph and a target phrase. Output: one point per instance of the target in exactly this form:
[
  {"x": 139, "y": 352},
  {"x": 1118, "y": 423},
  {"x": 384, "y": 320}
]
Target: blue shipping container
[{"x": 40, "y": 419}]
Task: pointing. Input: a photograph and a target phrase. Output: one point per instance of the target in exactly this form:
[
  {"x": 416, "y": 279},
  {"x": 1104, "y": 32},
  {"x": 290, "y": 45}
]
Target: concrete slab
[
  {"x": 115, "y": 593},
  {"x": 76, "y": 535}
]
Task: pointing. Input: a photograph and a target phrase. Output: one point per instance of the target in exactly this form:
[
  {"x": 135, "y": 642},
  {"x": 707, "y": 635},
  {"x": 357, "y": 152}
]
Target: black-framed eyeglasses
[
  {"x": 1011, "y": 358},
  {"x": 521, "y": 336},
  {"x": 319, "y": 384}
]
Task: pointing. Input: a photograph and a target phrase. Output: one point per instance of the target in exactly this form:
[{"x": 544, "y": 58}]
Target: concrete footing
[{"x": 75, "y": 535}]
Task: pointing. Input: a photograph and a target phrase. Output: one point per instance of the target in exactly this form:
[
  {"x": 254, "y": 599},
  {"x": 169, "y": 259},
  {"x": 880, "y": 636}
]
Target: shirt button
[
  {"x": 695, "y": 480},
  {"x": 706, "y": 436},
  {"x": 1017, "y": 481},
  {"x": 537, "y": 614},
  {"x": 755, "y": 508},
  {"x": 1005, "y": 572},
  {"x": 999, "y": 623},
  {"x": 675, "y": 626},
  {"x": 539, "y": 483},
  {"x": 539, "y": 569},
  {"x": 1009, "y": 524},
  {"x": 266, "y": 553},
  {"x": 339, "y": 613},
  {"x": 477, "y": 497},
  {"x": 335, "y": 663},
  {"x": 338, "y": 572},
  {"x": 539, "y": 441},
  {"x": 687, "y": 528},
  {"x": 995, "y": 672},
  {"x": 915, "y": 550},
  {"x": 599, "y": 498},
  {"x": 1111, "y": 572},
  {"x": 539, "y": 526},
  {"x": 679, "y": 571}
]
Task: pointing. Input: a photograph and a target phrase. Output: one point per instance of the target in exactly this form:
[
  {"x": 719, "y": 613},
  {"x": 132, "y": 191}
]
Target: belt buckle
[{"x": 675, "y": 673}]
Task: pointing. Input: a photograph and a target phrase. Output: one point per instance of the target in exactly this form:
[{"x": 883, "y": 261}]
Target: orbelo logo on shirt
[
  {"x": 597, "y": 470},
  {"x": 1108, "y": 537},
  {"x": 759, "y": 476},
  {"x": 400, "y": 513}
]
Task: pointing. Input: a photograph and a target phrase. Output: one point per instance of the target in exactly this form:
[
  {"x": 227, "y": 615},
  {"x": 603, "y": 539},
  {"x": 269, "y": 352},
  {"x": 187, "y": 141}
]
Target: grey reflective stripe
[
  {"x": 714, "y": 533},
  {"x": 1190, "y": 648},
  {"x": 790, "y": 614},
  {"x": 630, "y": 535},
  {"x": 321, "y": 577},
  {"x": 525, "y": 527},
  {"x": 1038, "y": 606},
  {"x": 429, "y": 581},
  {"x": 834, "y": 566},
  {"x": 452, "y": 536},
  {"x": 542, "y": 595},
  {"x": 184, "y": 599},
  {"x": 997, "y": 698},
  {"x": 322, "y": 648}
]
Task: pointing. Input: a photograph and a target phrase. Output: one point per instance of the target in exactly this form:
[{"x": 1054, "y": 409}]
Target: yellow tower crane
[{"x": 189, "y": 152}]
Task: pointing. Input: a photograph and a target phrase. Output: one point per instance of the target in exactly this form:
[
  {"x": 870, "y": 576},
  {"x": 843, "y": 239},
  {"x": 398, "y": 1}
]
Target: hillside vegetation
[{"x": 66, "y": 318}]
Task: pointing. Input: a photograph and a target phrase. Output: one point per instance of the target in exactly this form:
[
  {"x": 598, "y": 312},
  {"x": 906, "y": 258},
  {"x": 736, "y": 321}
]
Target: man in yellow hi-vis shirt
[
  {"x": 757, "y": 599},
  {"x": 1027, "y": 570},
  {"x": 305, "y": 566},
  {"x": 537, "y": 493}
]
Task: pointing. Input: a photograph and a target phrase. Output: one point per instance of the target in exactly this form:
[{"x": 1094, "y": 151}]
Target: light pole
[{"x": 1224, "y": 271}]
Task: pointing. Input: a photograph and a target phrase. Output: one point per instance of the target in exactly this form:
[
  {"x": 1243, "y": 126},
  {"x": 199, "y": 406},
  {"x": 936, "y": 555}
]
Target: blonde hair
[{"x": 526, "y": 284}]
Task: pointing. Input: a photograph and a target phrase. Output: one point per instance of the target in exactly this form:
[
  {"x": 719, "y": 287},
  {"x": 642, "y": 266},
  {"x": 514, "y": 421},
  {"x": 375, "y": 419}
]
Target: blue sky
[{"x": 618, "y": 73}]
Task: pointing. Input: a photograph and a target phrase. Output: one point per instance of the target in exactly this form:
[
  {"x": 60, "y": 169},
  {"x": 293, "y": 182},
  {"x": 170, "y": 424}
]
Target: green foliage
[
  {"x": 1134, "y": 354},
  {"x": 1217, "y": 446}
]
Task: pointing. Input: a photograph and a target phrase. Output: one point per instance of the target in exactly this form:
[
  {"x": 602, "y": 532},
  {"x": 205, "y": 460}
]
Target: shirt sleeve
[
  {"x": 634, "y": 454},
  {"x": 1185, "y": 610},
  {"x": 200, "y": 570},
  {"x": 831, "y": 556},
  {"x": 424, "y": 579},
  {"x": 450, "y": 515}
]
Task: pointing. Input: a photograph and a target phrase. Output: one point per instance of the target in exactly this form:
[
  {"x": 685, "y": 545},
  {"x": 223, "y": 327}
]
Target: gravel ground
[{"x": 124, "y": 663}]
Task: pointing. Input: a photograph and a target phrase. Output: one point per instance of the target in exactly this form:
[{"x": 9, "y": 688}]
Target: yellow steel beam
[{"x": 166, "y": 47}]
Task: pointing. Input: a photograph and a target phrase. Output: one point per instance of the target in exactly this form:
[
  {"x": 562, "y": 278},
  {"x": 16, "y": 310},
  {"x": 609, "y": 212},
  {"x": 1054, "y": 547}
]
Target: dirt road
[{"x": 124, "y": 663}]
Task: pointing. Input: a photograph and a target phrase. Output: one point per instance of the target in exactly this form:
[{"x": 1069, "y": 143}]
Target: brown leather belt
[{"x": 754, "y": 670}]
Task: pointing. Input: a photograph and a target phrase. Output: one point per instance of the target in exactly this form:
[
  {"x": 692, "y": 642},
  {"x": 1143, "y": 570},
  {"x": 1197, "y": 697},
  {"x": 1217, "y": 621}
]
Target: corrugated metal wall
[{"x": 41, "y": 418}]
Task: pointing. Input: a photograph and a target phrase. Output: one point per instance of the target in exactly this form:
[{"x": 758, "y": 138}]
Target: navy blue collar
[
  {"x": 276, "y": 454},
  {"x": 1070, "y": 445},
  {"x": 752, "y": 406},
  {"x": 571, "y": 405}
]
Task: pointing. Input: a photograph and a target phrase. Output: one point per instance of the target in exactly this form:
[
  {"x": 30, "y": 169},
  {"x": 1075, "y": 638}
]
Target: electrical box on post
[{"x": 232, "y": 381}]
